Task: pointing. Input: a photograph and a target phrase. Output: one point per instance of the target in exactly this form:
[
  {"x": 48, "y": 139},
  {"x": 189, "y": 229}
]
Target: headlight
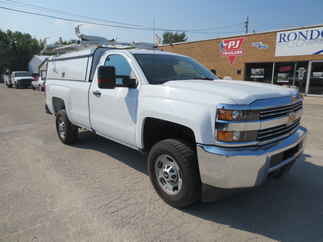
[
  {"x": 236, "y": 136},
  {"x": 237, "y": 115}
]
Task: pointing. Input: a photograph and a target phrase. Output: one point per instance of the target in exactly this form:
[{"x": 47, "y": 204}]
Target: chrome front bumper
[{"x": 245, "y": 167}]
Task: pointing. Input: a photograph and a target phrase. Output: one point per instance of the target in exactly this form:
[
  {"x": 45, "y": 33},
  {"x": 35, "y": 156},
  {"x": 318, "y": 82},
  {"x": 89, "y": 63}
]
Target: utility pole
[{"x": 246, "y": 25}]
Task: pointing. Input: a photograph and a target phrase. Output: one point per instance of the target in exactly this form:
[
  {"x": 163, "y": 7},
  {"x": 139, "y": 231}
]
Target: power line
[
  {"x": 71, "y": 19},
  {"x": 123, "y": 25},
  {"x": 133, "y": 26},
  {"x": 38, "y": 7},
  {"x": 219, "y": 27}
]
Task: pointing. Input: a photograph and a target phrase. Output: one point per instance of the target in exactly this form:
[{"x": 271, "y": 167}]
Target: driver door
[{"x": 114, "y": 111}]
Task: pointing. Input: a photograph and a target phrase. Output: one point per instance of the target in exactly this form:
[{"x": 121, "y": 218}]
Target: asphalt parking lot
[{"x": 99, "y": 190}]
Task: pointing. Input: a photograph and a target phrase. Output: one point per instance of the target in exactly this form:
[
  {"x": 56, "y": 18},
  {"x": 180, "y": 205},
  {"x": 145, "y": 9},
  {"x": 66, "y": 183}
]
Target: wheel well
[
  {"x": 58, "y": 104},
  {"x": 156, "y": 130}
]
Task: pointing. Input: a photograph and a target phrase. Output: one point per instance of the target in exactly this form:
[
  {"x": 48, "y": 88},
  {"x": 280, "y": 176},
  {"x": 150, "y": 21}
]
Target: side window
[{"x": 121, "y": 66}]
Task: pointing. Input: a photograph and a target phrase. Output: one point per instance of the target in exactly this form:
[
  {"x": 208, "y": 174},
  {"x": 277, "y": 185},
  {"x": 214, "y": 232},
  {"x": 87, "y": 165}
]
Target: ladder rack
[{"x": 88, "y": 41}]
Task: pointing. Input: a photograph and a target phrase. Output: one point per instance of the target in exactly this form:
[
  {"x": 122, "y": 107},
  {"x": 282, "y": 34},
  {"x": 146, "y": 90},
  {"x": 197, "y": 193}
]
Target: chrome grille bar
[
  {"x": 279, "y": 111},
  {"x": 281, "y": 130}
]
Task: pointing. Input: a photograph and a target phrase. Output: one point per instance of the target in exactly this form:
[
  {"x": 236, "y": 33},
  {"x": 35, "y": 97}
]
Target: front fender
[{"x": 197, "y": 117}]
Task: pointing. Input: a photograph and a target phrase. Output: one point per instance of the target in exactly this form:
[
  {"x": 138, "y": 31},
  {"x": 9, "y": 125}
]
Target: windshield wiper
[{"x": 202, "y": 78}]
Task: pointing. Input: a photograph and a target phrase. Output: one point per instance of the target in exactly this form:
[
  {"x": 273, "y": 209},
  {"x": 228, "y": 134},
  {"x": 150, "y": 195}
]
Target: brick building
[{"x": 292, "y": 57}]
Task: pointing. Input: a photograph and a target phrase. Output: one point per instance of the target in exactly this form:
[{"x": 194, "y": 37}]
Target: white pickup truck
[
  {"x": 21, "y": 79},
  {"x": 195, "y": 128}
]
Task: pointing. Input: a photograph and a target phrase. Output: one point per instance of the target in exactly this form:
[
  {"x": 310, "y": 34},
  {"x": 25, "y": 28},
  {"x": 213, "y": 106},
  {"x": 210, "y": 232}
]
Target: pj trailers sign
[
  {"x": 300, "y": 42},
  {"x": 232, "y": 48}
]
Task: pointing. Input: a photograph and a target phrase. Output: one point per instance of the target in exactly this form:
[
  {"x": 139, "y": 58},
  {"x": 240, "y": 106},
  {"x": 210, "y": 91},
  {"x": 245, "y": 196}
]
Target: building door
[
  {"x": 315, "y": 78},
  {"x": 284, "y": 73},
  {"x": 300, "y": 75}
]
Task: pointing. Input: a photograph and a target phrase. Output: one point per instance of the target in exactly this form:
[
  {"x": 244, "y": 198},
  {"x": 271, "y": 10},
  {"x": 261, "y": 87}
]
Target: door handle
[{"x": 97, "y": 93}]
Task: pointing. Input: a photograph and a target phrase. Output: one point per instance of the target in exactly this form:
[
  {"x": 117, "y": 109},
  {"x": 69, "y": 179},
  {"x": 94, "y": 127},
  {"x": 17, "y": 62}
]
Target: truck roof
[
  {"x": 91, "y": 51},
  {"x": 144, "y": 51}
]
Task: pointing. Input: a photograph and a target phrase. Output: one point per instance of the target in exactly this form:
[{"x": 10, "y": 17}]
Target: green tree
[
  {"x": 16, "y": 50},
  {"x": 170, "y": 37}
]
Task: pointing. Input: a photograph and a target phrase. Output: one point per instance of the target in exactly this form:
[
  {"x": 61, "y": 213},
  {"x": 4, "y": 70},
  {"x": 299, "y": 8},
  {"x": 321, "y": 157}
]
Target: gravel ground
[{"x": 99, "y": 190}]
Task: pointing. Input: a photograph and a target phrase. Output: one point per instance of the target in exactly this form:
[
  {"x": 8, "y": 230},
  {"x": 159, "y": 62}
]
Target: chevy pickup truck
[
  {"x": 21, "y": 79},
  {"x": 195, "y": 128}
]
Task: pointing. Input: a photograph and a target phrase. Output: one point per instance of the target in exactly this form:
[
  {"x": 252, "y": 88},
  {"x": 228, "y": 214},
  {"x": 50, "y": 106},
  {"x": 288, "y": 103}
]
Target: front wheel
[
  {"x": 66, "y": 131},
  {"x": 173, "y": 170}
]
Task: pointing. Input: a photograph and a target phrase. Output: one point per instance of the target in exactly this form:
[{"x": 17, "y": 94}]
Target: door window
[{"x": 121, "y": 65}]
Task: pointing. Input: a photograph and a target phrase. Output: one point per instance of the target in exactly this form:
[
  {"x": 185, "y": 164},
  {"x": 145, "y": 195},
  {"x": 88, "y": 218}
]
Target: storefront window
[
  {"x": 291, "y": 74},
  {"x": 259, "y": 72},
  {"x": 284, "y": 74},
  {"x": 316, "y": 79}
]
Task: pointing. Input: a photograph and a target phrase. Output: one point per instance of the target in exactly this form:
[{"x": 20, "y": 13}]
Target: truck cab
[{"x": 195, "y": 128}]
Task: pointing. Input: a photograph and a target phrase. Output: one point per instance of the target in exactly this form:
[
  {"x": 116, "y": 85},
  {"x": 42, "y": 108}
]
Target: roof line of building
[{"x": 242, "y": 35}]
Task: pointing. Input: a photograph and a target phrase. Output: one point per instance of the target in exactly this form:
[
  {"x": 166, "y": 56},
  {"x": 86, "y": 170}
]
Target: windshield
[
  {"x": 160, "y": 68},
  {"x": 20, "y": 74}
]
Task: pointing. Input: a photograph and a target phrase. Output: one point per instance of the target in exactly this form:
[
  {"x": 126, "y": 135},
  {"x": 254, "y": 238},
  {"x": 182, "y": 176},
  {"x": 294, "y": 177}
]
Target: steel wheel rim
[
  {"x": 168, "y": 174},
  {"x": 61, "y": 128}
]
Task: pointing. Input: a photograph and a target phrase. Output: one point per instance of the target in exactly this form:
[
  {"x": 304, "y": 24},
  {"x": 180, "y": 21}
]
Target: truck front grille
[
  {"x": 25, "y": 81},
  {"x": 279, "y": 111},
  {"x": 278, "y": 131}
]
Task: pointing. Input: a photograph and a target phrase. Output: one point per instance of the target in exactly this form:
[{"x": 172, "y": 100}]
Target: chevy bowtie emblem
[{"x": 294, "y": 98}]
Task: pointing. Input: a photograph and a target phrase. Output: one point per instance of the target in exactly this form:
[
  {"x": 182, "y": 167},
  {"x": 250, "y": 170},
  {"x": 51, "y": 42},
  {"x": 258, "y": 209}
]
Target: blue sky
[{"x": 221, "y": 18}]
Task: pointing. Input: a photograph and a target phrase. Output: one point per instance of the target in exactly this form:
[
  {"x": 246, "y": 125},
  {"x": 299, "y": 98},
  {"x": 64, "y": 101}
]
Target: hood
[{"x": 233, "y": 92}]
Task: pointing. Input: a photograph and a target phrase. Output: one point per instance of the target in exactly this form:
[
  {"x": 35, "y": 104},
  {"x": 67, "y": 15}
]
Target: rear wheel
[
  {"x": 67, "y": 132},
  {"x": 173, "y": 170}
]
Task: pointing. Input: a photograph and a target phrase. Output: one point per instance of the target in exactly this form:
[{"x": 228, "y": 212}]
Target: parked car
[
  {"x": 38, "y": 83},
  {"x": 195, "y": 128},
  {"x": 21, "y": 79}
]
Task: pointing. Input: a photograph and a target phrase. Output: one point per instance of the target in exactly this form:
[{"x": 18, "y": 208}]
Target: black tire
[
  {"x": 71, "y": 133},
  {"x": 185, "y": 157}
]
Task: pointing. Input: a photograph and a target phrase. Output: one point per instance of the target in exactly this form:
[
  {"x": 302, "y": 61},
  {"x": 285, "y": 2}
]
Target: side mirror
[{"x": 107, "y": 77}]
